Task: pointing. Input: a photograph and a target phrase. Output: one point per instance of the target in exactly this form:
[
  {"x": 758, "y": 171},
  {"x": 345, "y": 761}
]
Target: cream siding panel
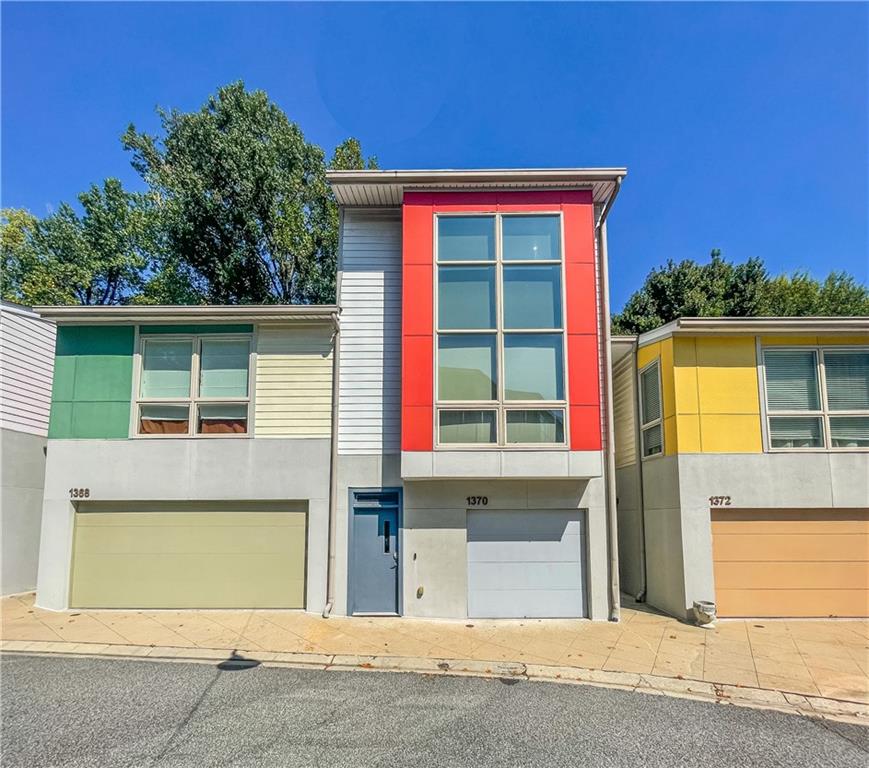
[
  {"x": 370, "y": 300},
  {"x": 26, "y": 369},
  {"x": 624, "y": 383},
  {"x": 293, "y": 396}
]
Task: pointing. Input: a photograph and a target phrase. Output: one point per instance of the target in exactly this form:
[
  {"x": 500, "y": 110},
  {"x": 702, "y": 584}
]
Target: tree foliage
[
  {"x": 723, "y": 289},
  {"x": 247, "y": 213},
  {"x": 237, "y": 210},
  {"x": 97, "y": 257}
]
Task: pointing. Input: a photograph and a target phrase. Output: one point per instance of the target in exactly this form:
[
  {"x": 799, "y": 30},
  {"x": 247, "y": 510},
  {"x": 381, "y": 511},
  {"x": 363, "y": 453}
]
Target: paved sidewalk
[{"x": 818, "y": 658}]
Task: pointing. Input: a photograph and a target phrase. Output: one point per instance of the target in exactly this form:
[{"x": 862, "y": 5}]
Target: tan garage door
[
  {"x": 189, "y": 555},
  {"x": 803, "y": 562}
]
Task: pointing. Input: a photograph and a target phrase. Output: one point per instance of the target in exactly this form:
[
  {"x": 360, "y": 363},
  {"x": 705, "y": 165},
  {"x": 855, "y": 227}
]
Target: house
[
  {"x": 197, "y": 457},
  {"x": 742, "y": 455},
  {"x": 472, "y": 434},
  {"x": 188, "y": 458},
  {"x": 26, "y": 358}
]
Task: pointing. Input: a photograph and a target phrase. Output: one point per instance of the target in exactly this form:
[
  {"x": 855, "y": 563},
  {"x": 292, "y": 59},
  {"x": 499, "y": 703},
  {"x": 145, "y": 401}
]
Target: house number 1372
[{"x": 478, "y": 501}]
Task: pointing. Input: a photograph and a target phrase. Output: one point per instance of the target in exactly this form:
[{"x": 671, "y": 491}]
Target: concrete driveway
[
  {"x": 812, "y": 658},
  {"x": 107, "y": 713}
]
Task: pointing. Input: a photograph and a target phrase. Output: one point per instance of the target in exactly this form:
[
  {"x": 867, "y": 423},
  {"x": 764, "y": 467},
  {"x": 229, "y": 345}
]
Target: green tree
[
  {"x": 97, "y": 257},
  {"x": 723, "y": 289},
  {"x": 246, "y": 212}
]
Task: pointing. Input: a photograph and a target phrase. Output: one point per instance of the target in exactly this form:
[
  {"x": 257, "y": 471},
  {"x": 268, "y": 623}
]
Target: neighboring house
[
  {"x": 188, "y": 458},
  {"x": 26, "y": 358},
  {"x": 472, "y": 428},
  {"x": 742, "y": 447}
]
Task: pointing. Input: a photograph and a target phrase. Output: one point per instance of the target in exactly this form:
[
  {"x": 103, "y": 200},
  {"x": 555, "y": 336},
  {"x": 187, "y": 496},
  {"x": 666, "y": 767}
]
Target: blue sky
[{"x": 743, "y": 126}]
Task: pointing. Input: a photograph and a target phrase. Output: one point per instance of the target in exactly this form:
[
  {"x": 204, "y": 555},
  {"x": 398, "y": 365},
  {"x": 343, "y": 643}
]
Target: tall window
[
  {"x": 651, "y": 421},
  {"x": 191, "y": 385},
  {"x": 817, "y": 398},
  {"x": 500, "y": 330}
]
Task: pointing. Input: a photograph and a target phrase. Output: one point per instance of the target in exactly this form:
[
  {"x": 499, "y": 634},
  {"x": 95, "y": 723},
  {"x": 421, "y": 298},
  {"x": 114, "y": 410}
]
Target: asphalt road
[{"x": 106, "y": 713}]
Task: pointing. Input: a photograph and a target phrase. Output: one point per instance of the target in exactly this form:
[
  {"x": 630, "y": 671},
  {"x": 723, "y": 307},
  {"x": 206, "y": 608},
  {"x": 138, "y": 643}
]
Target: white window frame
[
  {"x": 193, "y": 400},
  {"x": 644, "y": 425},
  {"x": 501, "y": 405},
  {"x": 824, "y": 413}
]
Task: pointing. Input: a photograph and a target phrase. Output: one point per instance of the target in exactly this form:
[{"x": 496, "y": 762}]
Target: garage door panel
[
  {"x": 519, "y": 551},
  {"x": 800, "y": 563},
  {"x": 210, "y": 560},
  {"x": 793, "y": 602},
  {"x": 542, "y": 604},
  {"x": 260, "y": 540},
  {"x": 526, "y": 563},
  {"x": 527, "y": 575},
  {"x": 802, "y": 575},
  {"x": 789, "y": 547}
]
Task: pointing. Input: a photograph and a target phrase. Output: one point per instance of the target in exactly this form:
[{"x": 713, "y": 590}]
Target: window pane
[
  {"x": 466, "y": 367},
  {"x": 163, "y": 419},
  {"x": 535, "y": 426},
  {"x": 650, "y": 394},
  {"x": 466, "y": 238},
  {"x": 531, "y": 237},
  {"x": 166, "y": 369},
  {"x": 222, "y": 419},
  {"x": 466, "y": 426},
  {"x": 849, "y": 431},
  {"x": 795, "y": 432},
  {"x": 847, "y": 380},
  {"x": 466, "y": 297},
  {"x": 532, "y": 297},
  {"x": 533, "y": 366},
  {"x": 223, "y": 368},
  {"x": 653, "y": 440},
  {"x": 791, "y": 381}
]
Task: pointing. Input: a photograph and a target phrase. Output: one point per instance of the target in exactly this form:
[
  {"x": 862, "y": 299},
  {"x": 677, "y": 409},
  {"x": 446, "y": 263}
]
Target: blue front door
[{"x": 374, "y": 560}]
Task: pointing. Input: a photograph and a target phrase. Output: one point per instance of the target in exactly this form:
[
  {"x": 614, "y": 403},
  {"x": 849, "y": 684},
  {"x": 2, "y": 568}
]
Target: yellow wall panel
[
  {"x": 294, "y": 381},
  {"x": 843, "y": 339},
  {"x": 685, "y": 376},
  {"x": 688, "y": 431},
  {"x": 776, "y": 341},
  {"x": 730, "y": 433},
  {"x": 671, "y": 442},
  {"x": 648, "y": 353},
  {"x": 727, "y": 376}
]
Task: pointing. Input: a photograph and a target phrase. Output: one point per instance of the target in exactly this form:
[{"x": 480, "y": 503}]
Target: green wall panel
[
  {"x": 198, "y": 329},
  {"x": 93, "y": 378}
]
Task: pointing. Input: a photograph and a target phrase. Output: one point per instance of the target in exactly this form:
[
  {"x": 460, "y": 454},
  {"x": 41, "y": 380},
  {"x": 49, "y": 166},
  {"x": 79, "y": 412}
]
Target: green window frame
[
  {"x": 816, "y": 398},
  {"x": 189, "y": 385},
  {"x": 500, "y": 366},
  {"x": 651, "y": 411}
]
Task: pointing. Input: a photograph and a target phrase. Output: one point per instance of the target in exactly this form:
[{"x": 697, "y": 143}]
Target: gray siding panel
[
  {"x": 369, "y": 408},
  {"x": 26, "y": 368}
]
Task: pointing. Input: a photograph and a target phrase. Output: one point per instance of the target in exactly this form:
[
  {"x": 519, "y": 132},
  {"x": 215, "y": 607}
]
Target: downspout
[
  {"x": 641, "y": 596},
  {"x": 333, "y": 459},
  {"x": 610, "y": 472}
]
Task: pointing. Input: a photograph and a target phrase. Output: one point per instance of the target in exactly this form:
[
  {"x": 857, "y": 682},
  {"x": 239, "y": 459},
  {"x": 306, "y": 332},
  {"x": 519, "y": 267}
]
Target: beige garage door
[
  {"x": 803, "y": 562},
  {"x": 189, "y": 555}
]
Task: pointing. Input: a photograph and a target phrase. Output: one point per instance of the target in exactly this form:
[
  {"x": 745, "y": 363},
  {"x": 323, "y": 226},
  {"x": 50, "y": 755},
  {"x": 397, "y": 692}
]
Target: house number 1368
[{"x": 478, "y": 501}]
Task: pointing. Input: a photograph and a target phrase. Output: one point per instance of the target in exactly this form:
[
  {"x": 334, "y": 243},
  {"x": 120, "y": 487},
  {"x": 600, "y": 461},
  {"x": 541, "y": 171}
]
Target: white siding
[
  {"x": 623, "y": 414},
  {"x": 369, "y": 404},
  {"x": 293, "y": 381},
  {"x": 26, "y": 370}
]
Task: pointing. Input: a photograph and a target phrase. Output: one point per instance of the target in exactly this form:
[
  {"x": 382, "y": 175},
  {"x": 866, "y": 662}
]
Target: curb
[{"x": 656, "y": 685}]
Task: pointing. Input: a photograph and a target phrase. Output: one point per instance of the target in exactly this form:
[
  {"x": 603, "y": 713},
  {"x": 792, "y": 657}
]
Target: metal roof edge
[
  {"x": 755, "y": 325},
  {"x": 185, "y": 313},
  {"x": 473, "y": 176}
]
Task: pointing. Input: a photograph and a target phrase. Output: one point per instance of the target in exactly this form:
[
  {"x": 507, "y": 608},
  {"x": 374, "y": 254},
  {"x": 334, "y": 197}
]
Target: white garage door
[{"x": 526, "y": 563}]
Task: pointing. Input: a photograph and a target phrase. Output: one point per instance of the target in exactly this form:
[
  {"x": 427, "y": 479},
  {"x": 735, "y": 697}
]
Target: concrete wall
[
  {"x": 435, "y": 537},
  {"x": 629, "y": 503},
  {"x": 434, "y": 532},
  {"x": 665, "y": 586},
  {"x": 22, "y": 472},
  {"x": 759, "y": 481},
  {"x": 191, "y": 469}
]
